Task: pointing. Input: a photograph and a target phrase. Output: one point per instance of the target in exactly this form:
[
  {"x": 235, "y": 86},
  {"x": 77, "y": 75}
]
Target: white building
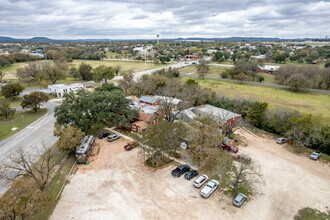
[
  {"x": 61, "y": 89},
  {"x": 269, "y": 68}
]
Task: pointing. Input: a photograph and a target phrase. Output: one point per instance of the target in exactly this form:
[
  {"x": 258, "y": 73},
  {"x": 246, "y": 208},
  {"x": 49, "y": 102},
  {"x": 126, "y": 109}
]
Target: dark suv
[
  {"x": 103, "y": 135},
  {"x": 177, "y": 172}
]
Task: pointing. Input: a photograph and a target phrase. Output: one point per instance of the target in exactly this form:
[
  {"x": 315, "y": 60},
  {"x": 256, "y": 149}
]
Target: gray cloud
[{"x": 172, "y": 18}]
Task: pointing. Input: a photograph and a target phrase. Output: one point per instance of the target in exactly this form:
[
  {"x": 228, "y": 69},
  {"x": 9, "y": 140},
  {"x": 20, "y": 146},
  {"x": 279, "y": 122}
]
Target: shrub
[{"x": 175, "y": 154}]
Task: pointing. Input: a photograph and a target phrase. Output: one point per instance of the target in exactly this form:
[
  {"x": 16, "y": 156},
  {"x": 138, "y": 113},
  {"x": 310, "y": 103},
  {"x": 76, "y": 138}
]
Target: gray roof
[
  {"x": 148, "y": 99},
  {"x": 216, "y": 112}
]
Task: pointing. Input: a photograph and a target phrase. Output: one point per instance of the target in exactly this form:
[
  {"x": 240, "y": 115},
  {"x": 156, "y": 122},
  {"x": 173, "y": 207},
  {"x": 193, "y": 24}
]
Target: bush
[
  {"x": 175, "y": 154},
  {"x": 311, "y": 214},
  {"x": 155, "y": 165}
]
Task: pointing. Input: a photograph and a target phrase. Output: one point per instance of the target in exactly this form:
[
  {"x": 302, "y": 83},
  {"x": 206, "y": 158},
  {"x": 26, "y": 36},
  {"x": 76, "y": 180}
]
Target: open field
[
  {"x": 125, "y": 65},
  {"x": 14, "y": 103},
  {"x": 116, "y": 185},
  {"x": 21, "y": 119},
  {"x": 306, "y": 102},
  {"x": 214, "y": 71},
  {"x": 10, "y": 71}
]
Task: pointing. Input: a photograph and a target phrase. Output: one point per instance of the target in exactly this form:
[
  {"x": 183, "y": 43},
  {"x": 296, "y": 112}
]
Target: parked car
[
  {"x": 281, "y": 140},
  {"x": 239, "y": 200},
  {"x": 177, "y": 172},
  {"x": 103, "y": 135},
  {"x": 191, "y": 174},
  {"x": 230, "y": 148},
  {"x": 113, "y": 137},
  {"x": 210, "y": 187},
  {"x": 130, "y": 146},
  {"x": 315, "y": 155},
  {"x": 200, "y": 181},
  {"x": 242, "y": 158}
]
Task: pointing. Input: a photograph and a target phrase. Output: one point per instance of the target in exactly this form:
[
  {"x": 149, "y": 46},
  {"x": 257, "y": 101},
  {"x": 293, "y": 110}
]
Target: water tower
[{"x": 157, "y": 38}]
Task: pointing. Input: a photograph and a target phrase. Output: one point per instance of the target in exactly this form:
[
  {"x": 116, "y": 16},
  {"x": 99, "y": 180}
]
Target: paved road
[
  {"x": 138, "y": 75},
  {"x": 31, "y": 138},
  {"x": 255, "y": 83}
]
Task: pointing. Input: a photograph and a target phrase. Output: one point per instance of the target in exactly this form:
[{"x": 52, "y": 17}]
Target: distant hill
[
  {"x": 7, "y": 39},
  {"x": 40, "y": 39},
  {"x": 46, "y": 39}
]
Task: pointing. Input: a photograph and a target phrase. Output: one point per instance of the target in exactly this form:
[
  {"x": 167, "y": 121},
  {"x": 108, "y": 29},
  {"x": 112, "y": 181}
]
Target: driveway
[{"x": 116, "y": 185}]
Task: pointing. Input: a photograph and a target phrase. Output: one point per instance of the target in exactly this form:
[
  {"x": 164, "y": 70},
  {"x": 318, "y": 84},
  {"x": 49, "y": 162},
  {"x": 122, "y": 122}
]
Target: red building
[
  {"x": 149, "y": 100},
  {"x": 191, "y": 57},
  {"x": 144, "y": 122}
]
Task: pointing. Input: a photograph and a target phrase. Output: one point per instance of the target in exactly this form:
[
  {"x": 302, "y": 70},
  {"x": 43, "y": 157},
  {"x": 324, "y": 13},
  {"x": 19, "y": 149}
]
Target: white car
[
  {"x": 200, "y": 180},
  {"x": 281, "y": 140},
  {"x": 210, "y": 187}
]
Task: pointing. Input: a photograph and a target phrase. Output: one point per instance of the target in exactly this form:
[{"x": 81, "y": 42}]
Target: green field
[
  {"x": 305, "y": 102},
  {"x": 21, "y": 119}
]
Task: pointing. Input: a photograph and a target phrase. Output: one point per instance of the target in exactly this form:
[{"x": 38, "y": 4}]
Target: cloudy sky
[{"x": 136, "y": 19}]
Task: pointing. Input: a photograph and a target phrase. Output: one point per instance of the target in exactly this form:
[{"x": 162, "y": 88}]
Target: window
[
  {"x": 134, "y": 127},
  {"x": 140, "y": 129}
]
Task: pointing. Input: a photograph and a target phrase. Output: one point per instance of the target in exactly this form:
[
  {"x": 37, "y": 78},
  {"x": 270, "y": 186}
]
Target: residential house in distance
[
  {"x": 218, "y": 114},
  {"x": 191, "y": 57},
  {"x": 61, "y": 89},
  {"x": 268, "y": 68},
  {"x": 149, "y": 100}
]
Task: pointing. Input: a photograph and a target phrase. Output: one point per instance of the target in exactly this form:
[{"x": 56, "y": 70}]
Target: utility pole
[
  {"x": 45, "y": 53},
  {"x": 145, "y": 59}
]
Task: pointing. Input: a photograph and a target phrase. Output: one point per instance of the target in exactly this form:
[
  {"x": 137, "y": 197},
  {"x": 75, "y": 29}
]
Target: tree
[
  {"x": 127, "y": 83},
  {"x": 2, "y": 74},
  {"x": 21, "y": 164},
  {"x": 297, "y": 82},
  {"x": 218, "y": 56},
  {"x": 12, "y": 90},
  {"x": 303, "y": 130},
  {"x": 117, "y": 69},
  {"x": 21, "y": 200},
  {"x": 170, "y": 94},
  {"x": 5, "y": 110},
  {"x": 73, "y": 72},
  {"x": 34, "y": 100},
  {"x": 256, "y": 114},
  {"x": 85, "y": 71},
  {"x": 244, "y": 175},
  {"x": 260, "y": 78},
  {"x": 103, "y": 72},
  {"x": 70, "y": 137},
  {"x": 240, "y": 77},
  {"x": 107, "y": 105},
  {"x": 56, "y": 71},
  {"x": 204, "y": 136},
  {"x": 202, "y": 69},
  {"x": 163, "y": 137},
  {"x": 327, "y": 64}
]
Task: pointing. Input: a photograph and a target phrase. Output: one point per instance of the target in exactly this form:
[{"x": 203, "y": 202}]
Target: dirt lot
[{"x": 116, "y": 185}]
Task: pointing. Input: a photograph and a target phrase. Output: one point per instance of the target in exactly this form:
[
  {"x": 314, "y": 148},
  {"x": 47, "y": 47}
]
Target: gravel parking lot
[{"x": 116, "y": 185}]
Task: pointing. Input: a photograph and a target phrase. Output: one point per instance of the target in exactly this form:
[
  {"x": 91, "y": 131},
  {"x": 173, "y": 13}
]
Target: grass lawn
[
  {"x": 15, "y": 103},
  {"x": 21, "y": 119},
  {"x": 311, "y": 214},
  {"x": 214, "y": 71},
  {"x": 125, "y": 65},
  {"x": 269, "y": 78},
  {"x": 305, "y": 102}
]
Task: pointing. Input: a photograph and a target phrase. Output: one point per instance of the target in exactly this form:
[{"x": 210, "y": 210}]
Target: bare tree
[
  {"x": 173, "y": 99},
  {"x": 22, "y": 164},
  {"x": 117, "y": 69},
  {"x": 245, "y": 175}
]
